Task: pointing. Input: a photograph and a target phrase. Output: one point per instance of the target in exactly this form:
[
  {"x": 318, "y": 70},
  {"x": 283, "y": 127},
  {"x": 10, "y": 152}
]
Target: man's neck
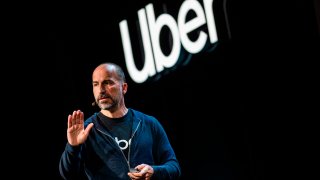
[{"x": 115, "y": 114}]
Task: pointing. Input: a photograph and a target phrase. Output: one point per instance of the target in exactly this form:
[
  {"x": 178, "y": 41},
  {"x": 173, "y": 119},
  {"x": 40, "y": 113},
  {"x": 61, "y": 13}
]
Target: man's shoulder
[
  {"x": 138, "y": 112},
  {"x": 91, "y": 119},
  {"x": 143, "y": 116}
]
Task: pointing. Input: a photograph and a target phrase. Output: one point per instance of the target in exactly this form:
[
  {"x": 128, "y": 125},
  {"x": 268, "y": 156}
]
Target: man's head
[{"x": 109, "y": 86}]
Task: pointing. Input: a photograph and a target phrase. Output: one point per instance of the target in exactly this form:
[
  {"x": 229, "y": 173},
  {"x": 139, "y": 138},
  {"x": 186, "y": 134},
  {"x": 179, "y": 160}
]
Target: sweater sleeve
[
  {"x": 70, "y": 162},
  {"x": 168, "y": 167}
]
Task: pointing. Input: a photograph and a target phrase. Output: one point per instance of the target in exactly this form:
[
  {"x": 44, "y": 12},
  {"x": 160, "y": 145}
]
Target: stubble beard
[{"x": 109, "y": 106}]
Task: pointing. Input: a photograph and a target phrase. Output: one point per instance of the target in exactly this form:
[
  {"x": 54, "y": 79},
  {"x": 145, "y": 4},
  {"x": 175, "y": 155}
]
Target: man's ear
[{"x": 124, "y": 88}]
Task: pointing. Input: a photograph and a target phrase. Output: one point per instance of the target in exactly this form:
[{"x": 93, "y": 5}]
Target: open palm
[{"x": 76, "y": 133}]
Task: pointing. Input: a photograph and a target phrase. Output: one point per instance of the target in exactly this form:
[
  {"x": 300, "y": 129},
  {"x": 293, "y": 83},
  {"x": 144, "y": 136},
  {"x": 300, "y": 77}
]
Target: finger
[
  {"x": 144, "y": 170},
  {"x": 69, "y": 121},
  {"x": 148, "y": 176},
  {"x": 81, "y": 118},
  {"x": 87, "y": 130},
  {"x": 74, "y": 118},
  {"x": 140, "y": 167},
  {"x": 78, "y": 115},
  {"x": 132, "y": 176}
]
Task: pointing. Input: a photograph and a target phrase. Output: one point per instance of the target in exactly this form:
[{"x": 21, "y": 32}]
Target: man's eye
[{"x": 107, "y": 82}]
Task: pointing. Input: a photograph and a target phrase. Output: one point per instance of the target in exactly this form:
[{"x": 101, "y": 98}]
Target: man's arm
[
  {"x": 169, "y": 167},
  {"x": 77, "y": 134},
  {"x": 70, "y": 162}
]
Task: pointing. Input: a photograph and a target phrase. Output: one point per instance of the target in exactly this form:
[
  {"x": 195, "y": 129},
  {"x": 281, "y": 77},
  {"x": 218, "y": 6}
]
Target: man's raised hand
[{"x": 76, "y": 133}]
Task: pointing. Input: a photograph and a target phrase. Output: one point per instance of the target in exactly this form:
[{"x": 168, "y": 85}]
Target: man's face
[{"x": 107, "y": 89}]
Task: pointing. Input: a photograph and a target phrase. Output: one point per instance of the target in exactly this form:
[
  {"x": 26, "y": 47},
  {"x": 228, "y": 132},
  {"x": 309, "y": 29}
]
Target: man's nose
[{"x": 102, "y": 89}]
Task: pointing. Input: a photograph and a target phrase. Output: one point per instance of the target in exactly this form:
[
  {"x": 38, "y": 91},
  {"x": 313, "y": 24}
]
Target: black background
[{"x": 229, "y": 114}]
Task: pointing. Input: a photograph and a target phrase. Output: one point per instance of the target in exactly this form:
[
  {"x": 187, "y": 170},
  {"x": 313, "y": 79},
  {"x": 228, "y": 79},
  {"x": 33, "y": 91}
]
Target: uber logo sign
[{"x": 155, "y": 60}]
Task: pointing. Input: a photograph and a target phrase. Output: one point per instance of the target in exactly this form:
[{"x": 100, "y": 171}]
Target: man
[{"x": 117, "y": 142}]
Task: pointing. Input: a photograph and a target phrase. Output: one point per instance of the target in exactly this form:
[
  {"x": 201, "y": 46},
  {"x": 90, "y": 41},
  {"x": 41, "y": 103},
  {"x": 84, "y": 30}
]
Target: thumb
[{"x": 87, "y": 130}]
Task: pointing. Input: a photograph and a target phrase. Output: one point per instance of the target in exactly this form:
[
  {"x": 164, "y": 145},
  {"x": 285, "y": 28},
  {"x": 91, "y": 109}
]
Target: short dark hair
[{"x": 119, "y": 71}]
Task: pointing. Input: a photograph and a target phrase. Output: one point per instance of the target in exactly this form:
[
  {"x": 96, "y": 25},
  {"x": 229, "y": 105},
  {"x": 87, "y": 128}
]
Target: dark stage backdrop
[{"x": 215, "y": 105}]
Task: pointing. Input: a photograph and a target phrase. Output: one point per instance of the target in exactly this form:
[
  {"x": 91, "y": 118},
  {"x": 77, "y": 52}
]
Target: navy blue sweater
[{"x": 100, "y": 157}]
